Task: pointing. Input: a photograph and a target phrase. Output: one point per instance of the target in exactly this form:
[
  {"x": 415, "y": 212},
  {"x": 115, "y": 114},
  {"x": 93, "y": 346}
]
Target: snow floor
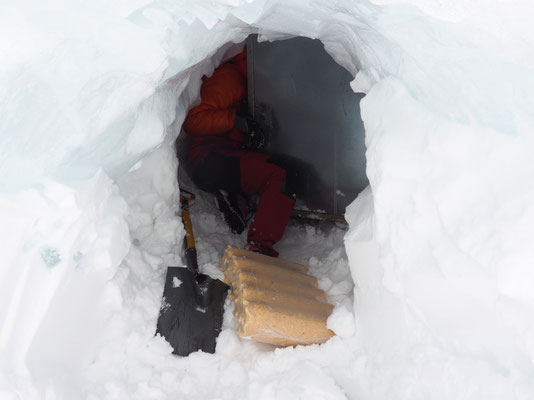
[{"x": 133, "y": 364}]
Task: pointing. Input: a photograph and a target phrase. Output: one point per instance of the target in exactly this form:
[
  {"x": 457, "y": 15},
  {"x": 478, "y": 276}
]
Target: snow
[{"x": 439, "y": 249}]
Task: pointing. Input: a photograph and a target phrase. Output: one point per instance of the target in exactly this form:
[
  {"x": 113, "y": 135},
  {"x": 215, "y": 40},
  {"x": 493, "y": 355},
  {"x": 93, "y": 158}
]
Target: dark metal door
[{"x": 304, "y": 101}]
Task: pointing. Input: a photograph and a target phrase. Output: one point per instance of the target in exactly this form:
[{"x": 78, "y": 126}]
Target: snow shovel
[{"x": 192, "y": 306}]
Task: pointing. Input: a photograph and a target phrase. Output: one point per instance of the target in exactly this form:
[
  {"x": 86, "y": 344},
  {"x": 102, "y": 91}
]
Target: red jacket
[{"x": 211, "y": 124}]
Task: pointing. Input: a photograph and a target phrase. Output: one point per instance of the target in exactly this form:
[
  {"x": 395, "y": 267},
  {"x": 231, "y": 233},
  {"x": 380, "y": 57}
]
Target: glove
[{"x": 256, "y": 137}]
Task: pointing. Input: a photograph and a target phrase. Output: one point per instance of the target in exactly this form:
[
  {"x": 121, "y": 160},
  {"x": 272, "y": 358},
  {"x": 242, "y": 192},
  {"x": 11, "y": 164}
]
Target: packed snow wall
[{"x": 439, "y": 244}]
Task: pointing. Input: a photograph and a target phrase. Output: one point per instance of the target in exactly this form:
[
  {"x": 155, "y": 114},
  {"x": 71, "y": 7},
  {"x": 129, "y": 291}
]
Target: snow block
[{"x": 276, "y": 301}]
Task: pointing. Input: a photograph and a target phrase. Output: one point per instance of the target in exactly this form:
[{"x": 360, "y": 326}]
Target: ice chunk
[
  {"x": 176, "y": 283},
  {"x": 51, "y": 256}
]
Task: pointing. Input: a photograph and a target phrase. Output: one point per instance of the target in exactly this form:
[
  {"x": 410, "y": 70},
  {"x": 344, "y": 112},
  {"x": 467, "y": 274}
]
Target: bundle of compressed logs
[{"x": 276, "y": 301}]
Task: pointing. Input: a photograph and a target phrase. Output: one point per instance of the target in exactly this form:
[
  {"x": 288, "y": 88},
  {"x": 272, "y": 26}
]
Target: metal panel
[{"x": 304, "y": 102}]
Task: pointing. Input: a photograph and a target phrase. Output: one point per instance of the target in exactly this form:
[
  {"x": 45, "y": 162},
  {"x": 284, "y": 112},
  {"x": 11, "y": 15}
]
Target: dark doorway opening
[{"x": 303, "y": 100}]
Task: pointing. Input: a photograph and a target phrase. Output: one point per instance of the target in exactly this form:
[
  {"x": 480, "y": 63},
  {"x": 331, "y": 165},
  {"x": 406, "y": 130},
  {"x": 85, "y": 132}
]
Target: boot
[
  {"x": 265, "y": 249},
  {"x": 228, "y": 204}
]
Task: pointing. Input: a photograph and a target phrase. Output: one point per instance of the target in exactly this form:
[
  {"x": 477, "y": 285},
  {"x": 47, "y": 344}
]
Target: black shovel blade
[{"x": 192, "y": 311}]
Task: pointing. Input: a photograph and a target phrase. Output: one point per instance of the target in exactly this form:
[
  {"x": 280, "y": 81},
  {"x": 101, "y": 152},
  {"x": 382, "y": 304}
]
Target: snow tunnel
[{"x": 92, "y": 98}]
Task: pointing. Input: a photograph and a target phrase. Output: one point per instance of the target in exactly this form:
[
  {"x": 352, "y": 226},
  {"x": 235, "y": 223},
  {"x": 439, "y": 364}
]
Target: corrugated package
[{"x": 276, "y": 301}]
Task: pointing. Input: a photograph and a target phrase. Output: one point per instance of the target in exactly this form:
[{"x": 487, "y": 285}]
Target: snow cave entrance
[
  {"x": 310, "y": 115},
  {"x": 303, "y": 101}
]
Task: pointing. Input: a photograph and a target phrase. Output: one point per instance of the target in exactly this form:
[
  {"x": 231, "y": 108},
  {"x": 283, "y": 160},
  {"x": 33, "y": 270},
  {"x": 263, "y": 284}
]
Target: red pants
[
  {"x": 274, "y": 208},
  {"x": 252, "y": 174}
]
